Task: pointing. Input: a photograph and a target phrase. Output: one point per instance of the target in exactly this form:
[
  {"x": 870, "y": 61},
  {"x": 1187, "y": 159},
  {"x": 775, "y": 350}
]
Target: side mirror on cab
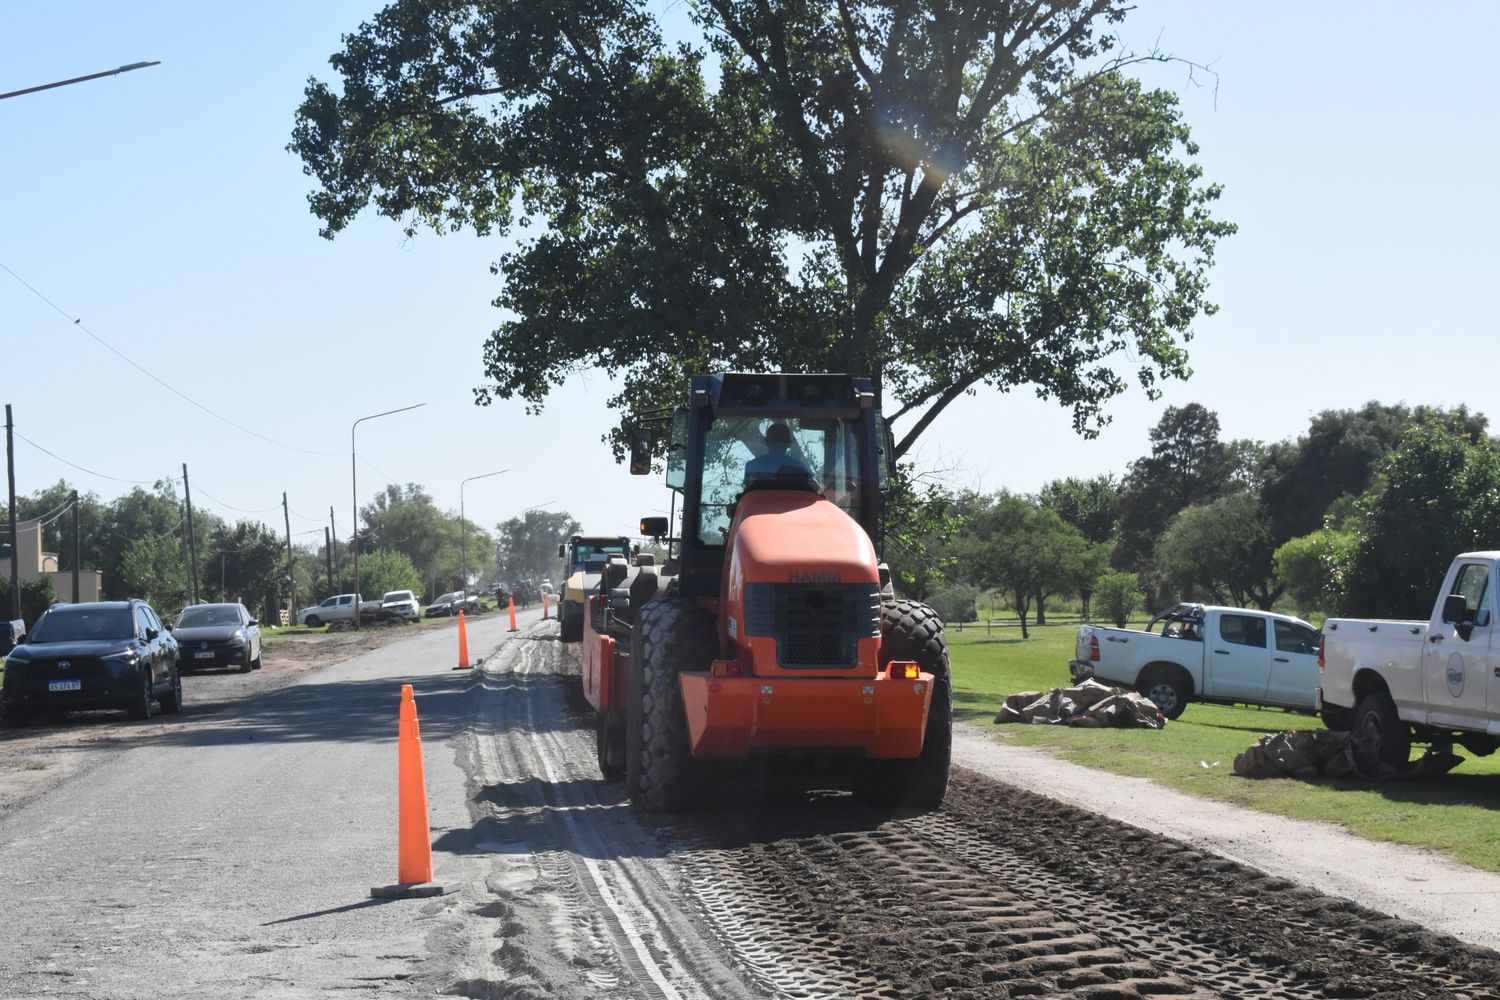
[
  {"x": 654, "y": 527},
  {"x": 1455, "y": 609},
  {"x": 1456, "y": 613},
  {"x": 640, "y": 451},
  {"x": 562, "y": 551}
]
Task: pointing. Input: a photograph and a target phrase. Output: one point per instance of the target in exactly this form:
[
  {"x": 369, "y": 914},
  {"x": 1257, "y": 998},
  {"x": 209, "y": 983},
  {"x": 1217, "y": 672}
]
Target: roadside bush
[
  {"x": 956, "y": 603},
  {"x": 1117, "y": 596},
  {"x": 384, "y": 570},
  {"x": 36, "y": 596}
]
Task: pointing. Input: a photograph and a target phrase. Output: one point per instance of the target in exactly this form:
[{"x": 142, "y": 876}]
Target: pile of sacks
[
  {"x": 1089, "y": 704},
  {"x": 1328, "y": 754}
]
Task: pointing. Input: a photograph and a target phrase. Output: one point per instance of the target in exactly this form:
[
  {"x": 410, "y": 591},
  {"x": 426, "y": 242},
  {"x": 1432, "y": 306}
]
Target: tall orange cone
[
  {"x": 463, "y": 644},
  {"x": 545, "y": 614},
  {"x": 413, "y": 832},
  {"x": 513, "y": 615}
]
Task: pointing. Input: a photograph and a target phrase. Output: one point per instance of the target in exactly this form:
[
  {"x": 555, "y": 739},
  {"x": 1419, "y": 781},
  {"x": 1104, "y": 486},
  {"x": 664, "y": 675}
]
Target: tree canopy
[
  {"x": 940, "y": 195},
  {"x": 527, "y": 546}
]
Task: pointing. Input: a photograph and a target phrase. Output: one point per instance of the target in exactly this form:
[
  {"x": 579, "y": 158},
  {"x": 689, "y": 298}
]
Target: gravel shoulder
[{"x": 1411, "y": 884}]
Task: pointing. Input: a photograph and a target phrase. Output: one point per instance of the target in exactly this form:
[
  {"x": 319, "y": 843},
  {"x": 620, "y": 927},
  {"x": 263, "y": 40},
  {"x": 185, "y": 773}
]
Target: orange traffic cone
[
  {"x": 545, "y": 613},
  {"x": 513, "y": 615},
  {"x": 463, "y": 644},
  {"x": 413, "y": 834}
]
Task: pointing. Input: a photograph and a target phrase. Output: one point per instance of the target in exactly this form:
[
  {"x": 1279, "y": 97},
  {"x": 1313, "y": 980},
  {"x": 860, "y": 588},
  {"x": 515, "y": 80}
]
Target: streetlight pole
[
  {"x": 81, "y": 79},
  {"x": 463, "y": 527},
  {"x": 354, "y": 482}
]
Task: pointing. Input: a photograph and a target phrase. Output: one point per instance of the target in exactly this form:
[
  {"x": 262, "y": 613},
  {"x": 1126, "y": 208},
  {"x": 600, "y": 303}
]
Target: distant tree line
[
  {"x": 1359, "y": 515},
  {"x": 139, "y": 543}
]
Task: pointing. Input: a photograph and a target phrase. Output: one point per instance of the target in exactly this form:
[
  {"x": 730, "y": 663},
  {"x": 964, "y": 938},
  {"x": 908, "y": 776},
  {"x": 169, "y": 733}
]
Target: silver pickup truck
[
  {"x": 1434, "y": 681},
  {"x": 1206, "y": 653}
]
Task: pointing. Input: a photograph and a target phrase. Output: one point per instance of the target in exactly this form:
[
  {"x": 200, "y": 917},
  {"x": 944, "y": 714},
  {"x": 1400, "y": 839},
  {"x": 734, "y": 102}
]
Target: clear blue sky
[{"x": 1357, "y": 145}]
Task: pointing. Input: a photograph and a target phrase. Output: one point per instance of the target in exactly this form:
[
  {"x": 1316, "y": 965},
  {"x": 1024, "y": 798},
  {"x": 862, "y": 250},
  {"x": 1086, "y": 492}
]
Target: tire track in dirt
[
  {"x": 785, "y": 888},
  {"x": 1005, "y": 894},
  {"x": 604, "y": 918}
]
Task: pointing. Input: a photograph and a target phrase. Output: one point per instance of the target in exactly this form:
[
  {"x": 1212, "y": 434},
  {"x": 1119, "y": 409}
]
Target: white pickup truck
[
  {"x": 1206, "y": 653},
  {"x": 1435, "y": 682},
  {"x": 338, "y": 608}
]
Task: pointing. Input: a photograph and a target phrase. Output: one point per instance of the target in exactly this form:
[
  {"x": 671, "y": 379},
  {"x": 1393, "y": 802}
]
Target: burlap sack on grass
[{"x": 1087, "y": 705}]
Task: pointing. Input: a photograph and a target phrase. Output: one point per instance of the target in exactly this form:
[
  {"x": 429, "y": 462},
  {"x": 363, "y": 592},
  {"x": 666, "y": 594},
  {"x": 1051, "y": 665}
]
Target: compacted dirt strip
[
  {"x": 778, "y": 887},
  {"x": 1006, "y": 894}
]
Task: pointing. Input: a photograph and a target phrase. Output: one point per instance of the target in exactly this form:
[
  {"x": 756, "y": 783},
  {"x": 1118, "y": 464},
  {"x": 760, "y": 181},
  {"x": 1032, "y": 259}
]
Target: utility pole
[
  {"x": 15, "y": 546},
  {"x": 76, "y": 547},
  {"x": 192, "y": 539},
  {"x": 328, "y": 551},
  {"x": 333, "y": 531},
  {"x": 291, "y": 581}
]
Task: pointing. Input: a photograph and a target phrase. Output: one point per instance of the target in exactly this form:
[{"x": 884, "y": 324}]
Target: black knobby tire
[
  {"x": 913, "y": 631},
  {"x": 1380, "y": 735},
  {"x": 1165, "y": 690},
  {"x": 1337, "y": 719},
  {"x": 670, "y": 635},
  {"x": 572, "y": 627},
  {"x": 610, "y": 745},
  {"x": 140, "y": 705},
  {"x": 171, "y": 702}
]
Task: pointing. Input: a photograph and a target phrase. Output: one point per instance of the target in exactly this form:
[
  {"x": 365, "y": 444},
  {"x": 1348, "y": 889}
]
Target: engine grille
[{"x": 816, "y": 626}]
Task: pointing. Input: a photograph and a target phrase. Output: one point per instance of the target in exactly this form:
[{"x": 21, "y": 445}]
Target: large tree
[
  {"x": 1221, "y": 551},
  {"x": 1437, "y": 495},
  {"x": 1023, "y": 550},
  {"x": 527, "y": 546},
  {"x": 943, "y": 195},
  {"x": 1188, "y": 466},
  {"x": 1086, "y": 504},
  {"x": 1337, "y": 458}
]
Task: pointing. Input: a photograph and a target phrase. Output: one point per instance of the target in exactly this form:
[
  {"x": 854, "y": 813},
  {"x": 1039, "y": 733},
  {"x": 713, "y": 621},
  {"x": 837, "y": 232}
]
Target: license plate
[
  {"x": 206, "y": 655},
  {"x": 65, "y": 685}
]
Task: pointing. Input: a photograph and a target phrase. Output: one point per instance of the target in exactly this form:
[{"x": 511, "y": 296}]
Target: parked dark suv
[{"x": 111, "y": 654}]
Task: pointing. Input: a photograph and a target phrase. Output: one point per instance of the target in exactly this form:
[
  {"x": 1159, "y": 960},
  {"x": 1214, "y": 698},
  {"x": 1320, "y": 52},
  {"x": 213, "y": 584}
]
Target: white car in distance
[{"x": 401, "y": 604}]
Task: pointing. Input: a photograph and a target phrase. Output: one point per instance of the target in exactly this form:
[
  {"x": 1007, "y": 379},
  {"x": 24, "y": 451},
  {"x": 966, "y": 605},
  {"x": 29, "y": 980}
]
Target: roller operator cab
[{"x": 771, "y": 628}]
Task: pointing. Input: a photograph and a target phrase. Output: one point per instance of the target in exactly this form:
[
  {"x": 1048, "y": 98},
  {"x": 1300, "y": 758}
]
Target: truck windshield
[
  {"x": 202, "y": 617},
  {"x": 584, "y": 551},
  {"x": 740, "y": 453},
  {"x": 75, "y": 626}
]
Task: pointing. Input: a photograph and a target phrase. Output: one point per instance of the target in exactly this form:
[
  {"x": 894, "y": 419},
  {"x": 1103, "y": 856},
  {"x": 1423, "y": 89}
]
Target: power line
[
  {"x": 77, "y": 322},
  {"x": 231, "y": 506},
  {"x": 64, "y": 461}
]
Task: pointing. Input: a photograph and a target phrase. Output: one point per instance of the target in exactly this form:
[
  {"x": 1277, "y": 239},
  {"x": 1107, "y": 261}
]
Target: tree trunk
[{"x": 1041, "y": 609}]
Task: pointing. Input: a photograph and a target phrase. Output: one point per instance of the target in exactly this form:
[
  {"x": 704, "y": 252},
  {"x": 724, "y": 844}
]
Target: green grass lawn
[{"x": 1457, "y": 814}]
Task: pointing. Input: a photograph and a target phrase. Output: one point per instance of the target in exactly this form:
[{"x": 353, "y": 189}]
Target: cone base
[{"x": 412, "y": 890}]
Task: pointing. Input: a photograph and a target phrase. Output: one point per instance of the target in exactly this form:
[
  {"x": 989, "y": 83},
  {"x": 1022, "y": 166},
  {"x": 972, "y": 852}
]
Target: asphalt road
[{"x": 233, "y": 857}]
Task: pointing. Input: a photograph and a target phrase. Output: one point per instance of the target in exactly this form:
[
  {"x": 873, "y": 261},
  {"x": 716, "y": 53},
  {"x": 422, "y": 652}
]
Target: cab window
[
  {"x": 1474, "y": 584},
  {"x": 1243, "y": 630},
  {"x": 1294, "y": 638}
]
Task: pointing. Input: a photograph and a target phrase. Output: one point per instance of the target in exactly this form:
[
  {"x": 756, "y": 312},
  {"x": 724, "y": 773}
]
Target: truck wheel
[
  {"x": 171, "y": 702},
  {"x": 671, "y": 635},
  {"x": 1166, "y": 691},
  {"x": 1380, "y": 735},
  {"x": 610, "y": 737},
  {"x": 1338, "y": 719},
  {"x": 572, "y": 626},
  {"x": 313, "y": 621},
  {"x": 139, "y": 707},
  {"x": 913, "y": 631}
]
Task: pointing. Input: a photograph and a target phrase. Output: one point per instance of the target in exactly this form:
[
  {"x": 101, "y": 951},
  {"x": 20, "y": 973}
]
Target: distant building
[{"x": 35, "y": 563}]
